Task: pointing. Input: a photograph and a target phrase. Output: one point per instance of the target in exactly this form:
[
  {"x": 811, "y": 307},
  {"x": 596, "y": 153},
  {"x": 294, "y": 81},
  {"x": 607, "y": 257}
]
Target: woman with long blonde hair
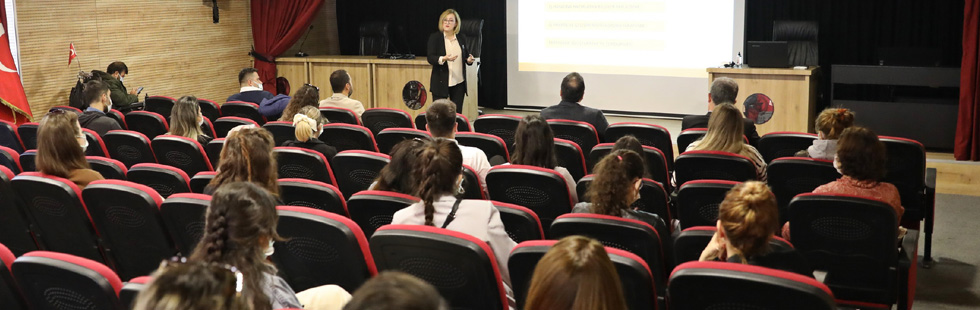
[
  {"x": 186, "y": 120},
  {"x": 726, "y": 134}
]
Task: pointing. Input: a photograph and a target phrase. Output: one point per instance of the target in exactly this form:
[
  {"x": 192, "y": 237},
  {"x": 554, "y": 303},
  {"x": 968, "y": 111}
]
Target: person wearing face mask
[
  {"x": 61, "y": 149},
  {"x": 186, "y": 120},
  {"x": 98, "y": 102},
  {"x": 340, "y": 82},
  {"x": 861, "y": 160},
  {"x": 251, "y": 87},
  {"x": 615, "y": 186},
  {"x": 113, "y": 76},
  {"x": 240, "y": 231},
  {"x": 309, "y": 125},
  {"x": 438, "y": 172}
]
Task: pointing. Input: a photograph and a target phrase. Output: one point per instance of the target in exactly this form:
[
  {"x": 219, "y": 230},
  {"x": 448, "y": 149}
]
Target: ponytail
[
  {"x": 612, "y": 186},
  {"x": 438, "y": 167},
  {"x": 305, "y": 127}
]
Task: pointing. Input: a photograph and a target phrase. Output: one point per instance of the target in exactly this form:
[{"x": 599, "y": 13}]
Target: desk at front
[
  {"x": 793, "y": 93},
  {"x": 377, "y": 82}
]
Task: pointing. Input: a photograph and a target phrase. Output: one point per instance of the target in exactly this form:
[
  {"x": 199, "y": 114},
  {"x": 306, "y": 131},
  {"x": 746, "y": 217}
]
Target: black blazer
[
  {"x": 439, "y": 82},
  {"x": 701, "y": 121}
]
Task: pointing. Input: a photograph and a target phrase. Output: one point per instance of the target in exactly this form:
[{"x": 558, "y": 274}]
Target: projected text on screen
[{"x": 641, "y": 37}]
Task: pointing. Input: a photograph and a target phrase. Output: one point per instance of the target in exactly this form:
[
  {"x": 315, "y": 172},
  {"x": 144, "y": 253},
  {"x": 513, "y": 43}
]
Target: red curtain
[
  {"x": 276, "y": 26},
  {"x": 968, "y": 130},
  {"x": 13, "y": 100}
]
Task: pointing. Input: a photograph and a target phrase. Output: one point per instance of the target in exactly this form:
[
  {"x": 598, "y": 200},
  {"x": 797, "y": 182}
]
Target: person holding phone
[
  {"x": 113, "y": 76},
  {"x": 447, "y": 54}
]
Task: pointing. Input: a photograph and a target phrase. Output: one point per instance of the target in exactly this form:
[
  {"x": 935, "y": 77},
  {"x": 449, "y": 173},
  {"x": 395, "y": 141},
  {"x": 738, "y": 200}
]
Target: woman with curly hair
[
  {"x": 616, "y": 183},
  {"x": 306, "y": 96}
]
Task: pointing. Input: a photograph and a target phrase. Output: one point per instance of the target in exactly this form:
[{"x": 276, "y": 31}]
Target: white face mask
[
  {"x": 108, "y": 107},
  {"x": 200, "y": 122},
  {"x": 459, "y": 187},
  {"x": 259, "y": 85},
  {"x": 84, "y": 146},
  {"x": 270, "y": 250},
  {"x": 837, "y": 165},
  {"x": 121, "y": 79}
]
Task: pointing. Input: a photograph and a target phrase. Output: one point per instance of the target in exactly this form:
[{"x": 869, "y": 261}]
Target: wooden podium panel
[
  {"x": 793, "y": 93},
  {"x": 360, "y": 75},
  {"x": 377, "y": 82},
  {"x": 296, "y": 72},
  {"x": 390, "y": 79}
]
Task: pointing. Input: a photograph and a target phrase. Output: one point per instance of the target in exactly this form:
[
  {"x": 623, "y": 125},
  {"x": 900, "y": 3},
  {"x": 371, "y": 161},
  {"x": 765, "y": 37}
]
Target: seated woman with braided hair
[
  {"x": 438, "y": 171},
  {"x": 181, "y": 285},
  {"x": 239, "y": 231}
]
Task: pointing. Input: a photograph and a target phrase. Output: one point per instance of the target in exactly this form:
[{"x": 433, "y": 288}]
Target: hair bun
[{"x": 755, "y": 192}]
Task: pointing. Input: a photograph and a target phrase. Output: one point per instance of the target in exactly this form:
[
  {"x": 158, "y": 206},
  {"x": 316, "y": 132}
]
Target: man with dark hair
[
  {"x": 251, "y": 87},
  {"x": 98, "y": 101},
  {"x": 570, "y": 107},
  {"x": 440, "y": 121},
  {"x": 113, "y": 78},
  {"x": 342, "y": 86},
  {"x": 723, "y": 90}
]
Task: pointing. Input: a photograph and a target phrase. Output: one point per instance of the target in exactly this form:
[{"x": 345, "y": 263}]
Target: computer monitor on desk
[{"x": 767, "y": 54}]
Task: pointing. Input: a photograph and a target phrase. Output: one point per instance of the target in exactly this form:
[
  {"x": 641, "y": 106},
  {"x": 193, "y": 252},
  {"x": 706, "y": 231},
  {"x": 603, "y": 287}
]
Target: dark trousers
[{"x": 456, "y": 95}]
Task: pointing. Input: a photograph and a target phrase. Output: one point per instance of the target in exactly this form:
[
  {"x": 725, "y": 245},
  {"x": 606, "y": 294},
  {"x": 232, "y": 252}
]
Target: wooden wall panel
[{"x": 172, "y": 47}]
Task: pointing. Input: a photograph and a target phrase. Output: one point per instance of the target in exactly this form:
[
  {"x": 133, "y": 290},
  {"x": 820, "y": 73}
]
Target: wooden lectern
[{"x": 793, "y": 93}]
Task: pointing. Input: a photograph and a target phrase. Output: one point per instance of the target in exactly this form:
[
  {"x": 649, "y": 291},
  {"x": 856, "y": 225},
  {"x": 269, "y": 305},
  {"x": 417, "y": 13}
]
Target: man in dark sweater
[
  {"x": 251, "y": 85},
  {"x": 570, "y": 108},
  {"x": 723, "y": 90},
  {"x": 98, "y": 101}
]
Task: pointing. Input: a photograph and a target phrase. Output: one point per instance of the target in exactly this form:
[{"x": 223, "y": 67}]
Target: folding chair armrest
[
  {"x": 931, "y": 179},
  {"x": 908, "y": 253}
]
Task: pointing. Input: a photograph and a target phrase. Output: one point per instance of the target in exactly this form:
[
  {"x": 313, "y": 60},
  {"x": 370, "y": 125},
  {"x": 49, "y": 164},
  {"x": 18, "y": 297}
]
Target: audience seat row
[{"x": 460, "y": 265}]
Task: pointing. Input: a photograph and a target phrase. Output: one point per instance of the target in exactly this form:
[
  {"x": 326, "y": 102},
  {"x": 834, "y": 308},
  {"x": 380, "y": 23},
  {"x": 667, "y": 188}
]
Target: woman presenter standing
[{"x": 445, "y": 54}]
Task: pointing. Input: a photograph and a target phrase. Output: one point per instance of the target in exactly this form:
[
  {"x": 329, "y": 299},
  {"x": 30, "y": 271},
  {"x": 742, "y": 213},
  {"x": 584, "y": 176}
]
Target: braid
[
  {"x": 427, "y": 186},
  {"x": 216, "y": 237},
  {"x": 438, "y": 166}
]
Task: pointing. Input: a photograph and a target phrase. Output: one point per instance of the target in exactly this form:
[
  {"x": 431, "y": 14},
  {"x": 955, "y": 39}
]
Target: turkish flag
[
  {"x": 71, "y": 53},
  {"x": 14, "y": 101}
]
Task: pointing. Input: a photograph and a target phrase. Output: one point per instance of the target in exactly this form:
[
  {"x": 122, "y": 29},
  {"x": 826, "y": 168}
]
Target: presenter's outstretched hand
[
  {"x": 470, "y": 59},
  {"x": 450, "y": 57}
]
